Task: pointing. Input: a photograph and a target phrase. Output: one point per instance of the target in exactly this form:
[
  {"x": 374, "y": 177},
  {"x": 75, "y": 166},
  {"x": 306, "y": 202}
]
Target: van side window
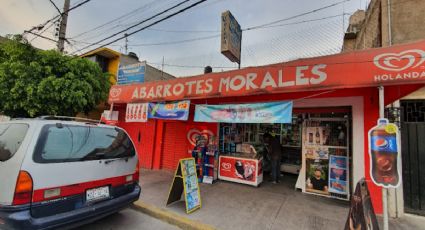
[
  {"x": 66, "y": 143},
  {"x": 11, "y": 137}
]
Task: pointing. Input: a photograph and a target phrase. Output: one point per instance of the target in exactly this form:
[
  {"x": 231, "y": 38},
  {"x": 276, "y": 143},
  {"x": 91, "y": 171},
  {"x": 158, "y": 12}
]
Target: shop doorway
[
  {"x": 319, "y": 137},
  {"x": 413, "y": 155}
]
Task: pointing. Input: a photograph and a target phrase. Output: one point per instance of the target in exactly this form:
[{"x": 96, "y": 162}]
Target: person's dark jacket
[{"x": 275, "y": 149}]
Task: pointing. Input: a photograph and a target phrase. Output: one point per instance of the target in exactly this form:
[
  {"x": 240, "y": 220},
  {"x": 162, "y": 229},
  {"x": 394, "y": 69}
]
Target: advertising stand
[
  {"x": 186, "y": 182},
  {"x": 326, "y": 157}
]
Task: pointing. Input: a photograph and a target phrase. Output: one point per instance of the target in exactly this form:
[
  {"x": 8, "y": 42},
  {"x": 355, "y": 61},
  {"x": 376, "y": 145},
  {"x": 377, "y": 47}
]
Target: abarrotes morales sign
[{"x": 396, "y": 65}]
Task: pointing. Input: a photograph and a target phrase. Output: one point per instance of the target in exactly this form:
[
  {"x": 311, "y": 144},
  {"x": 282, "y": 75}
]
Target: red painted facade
[{"x": 160, "y": 144}]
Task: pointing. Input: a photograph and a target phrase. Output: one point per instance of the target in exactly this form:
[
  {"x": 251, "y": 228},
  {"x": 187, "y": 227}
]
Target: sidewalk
[{"x": 227, "y": 205}]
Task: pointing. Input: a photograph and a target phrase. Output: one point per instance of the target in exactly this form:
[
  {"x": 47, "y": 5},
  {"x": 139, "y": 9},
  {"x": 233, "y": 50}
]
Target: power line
[
  {"x": 218, "y": 35},
  {"x": 191, "y": 66},
  {"x": 53, "y": 3},
  {"x": 153, "y": 23},
  {"x": 41, "y": 36},
  {"x": 297, "y": 16},
  {"x": 141, "y": 22},
  {"x": 115, "y": 19},
  {"x": 41, "y": 26},
  {"x": 185, "y": 31},
  {"x": 178, "y": 42}
]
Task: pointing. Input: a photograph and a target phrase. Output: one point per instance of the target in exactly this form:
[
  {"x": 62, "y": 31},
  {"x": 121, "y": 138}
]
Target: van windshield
[
  {"x": 11, "y": 137},
  {"x": 66, "y": 143}
]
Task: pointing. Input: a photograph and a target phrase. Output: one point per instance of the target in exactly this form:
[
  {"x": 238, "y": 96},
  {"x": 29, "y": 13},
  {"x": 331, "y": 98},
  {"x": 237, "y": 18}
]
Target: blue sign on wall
[{"x": 134, "y": 73}]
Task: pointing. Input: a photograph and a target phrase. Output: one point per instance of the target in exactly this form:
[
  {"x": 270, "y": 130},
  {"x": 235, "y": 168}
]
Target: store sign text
[{"x": 304, "y": 76}]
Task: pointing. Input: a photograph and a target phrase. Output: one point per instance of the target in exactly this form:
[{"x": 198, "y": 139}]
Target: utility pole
[
  {"x": 126, "y": 44},
  {"x": 62, "y": 27}
]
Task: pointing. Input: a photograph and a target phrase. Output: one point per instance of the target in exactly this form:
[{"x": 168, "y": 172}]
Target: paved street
[{"x": 128, "y": 219}]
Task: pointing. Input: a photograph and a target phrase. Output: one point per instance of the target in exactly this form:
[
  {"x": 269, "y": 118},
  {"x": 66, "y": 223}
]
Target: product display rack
[{"x": 206, "y": 158}]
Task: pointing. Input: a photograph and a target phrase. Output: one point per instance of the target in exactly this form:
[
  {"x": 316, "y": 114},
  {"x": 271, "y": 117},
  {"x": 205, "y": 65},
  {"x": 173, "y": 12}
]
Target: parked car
[{"x": 56, "y": 173}]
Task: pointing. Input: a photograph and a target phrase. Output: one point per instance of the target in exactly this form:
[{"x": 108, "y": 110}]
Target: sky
[{"x": 190, "y": 40}]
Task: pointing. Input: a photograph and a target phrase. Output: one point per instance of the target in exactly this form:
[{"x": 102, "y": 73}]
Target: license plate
[{"x": 97, "y": 194}]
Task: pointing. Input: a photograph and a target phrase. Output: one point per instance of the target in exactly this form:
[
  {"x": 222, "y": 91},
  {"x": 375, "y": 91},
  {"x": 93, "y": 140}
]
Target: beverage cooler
[{"x": 326, "y": 158}]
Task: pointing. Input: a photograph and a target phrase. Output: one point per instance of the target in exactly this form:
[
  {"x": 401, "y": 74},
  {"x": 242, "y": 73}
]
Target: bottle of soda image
[{"x": 384, "y": 154}]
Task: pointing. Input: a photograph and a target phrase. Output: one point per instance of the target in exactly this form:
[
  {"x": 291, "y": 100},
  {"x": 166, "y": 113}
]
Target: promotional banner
[
  {"x": 169, "y": 111},
  {"x": 361, "y": 214},
  {"x": 384, "y": 154},
  {"x": 394, "y": 65},
  {"x": 338, "y": 174},
  {"x": 134, "y": 73},
  {"x": 136, "y": 112},
  {"x": 273, "y": 112}
]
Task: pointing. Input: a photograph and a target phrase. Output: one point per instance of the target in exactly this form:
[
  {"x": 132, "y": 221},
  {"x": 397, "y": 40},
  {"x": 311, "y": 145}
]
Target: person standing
[{"x": 275, "y": 153}]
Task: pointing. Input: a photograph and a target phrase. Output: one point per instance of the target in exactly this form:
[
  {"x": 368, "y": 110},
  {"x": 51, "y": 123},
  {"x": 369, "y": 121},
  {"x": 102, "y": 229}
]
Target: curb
[{"x": 170, "y": 217}]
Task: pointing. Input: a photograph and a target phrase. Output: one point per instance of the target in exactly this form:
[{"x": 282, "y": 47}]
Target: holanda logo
[
  {"x": 194, "y": 134},
  {"x": 400, "y": 61},
  {"x": 115, "y": 92},
  {"x": 226, "y": 166}
]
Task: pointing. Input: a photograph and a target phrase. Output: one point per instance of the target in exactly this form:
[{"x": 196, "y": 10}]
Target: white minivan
[{"x": 57, "y": 173}]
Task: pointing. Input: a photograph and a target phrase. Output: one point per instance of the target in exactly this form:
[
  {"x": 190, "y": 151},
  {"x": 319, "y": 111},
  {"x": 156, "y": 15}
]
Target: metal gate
[{"x": 413, "y": 155}]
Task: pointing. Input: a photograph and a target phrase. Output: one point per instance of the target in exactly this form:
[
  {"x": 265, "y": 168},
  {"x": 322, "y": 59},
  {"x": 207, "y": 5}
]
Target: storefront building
[{"x": 337, "y": 93}]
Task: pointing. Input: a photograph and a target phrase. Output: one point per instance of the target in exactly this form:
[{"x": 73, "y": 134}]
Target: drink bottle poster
[
  {"x": 136, "y": 112},
  {"x": 186, "y": 183},
  {"x": 169, "y": 111},
  {"x": 315, "y": 136},
  {"x": 385, "y": 154}
]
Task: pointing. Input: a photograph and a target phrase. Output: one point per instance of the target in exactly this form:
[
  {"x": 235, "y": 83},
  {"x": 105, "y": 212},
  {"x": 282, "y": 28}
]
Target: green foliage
[{"x": 36, "y": 82}]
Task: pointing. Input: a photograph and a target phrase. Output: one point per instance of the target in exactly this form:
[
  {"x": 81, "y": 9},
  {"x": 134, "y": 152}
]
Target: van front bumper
[{"x": 19, "y": 217}]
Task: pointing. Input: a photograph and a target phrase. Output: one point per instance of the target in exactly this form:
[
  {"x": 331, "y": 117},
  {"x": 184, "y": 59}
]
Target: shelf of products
[
  {"x": 326, "y": 157},
  {"x": 206, "y": 158}
]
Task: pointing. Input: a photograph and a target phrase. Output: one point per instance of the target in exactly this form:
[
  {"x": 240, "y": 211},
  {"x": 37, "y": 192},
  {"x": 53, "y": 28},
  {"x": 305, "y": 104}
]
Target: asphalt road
[{"x": 128, "y": 219}]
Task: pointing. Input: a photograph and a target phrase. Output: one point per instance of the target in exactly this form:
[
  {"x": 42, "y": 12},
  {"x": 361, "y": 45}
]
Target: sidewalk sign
[
  {"x": 186, "y": 182},
  {"x": 361, "y": 214}
]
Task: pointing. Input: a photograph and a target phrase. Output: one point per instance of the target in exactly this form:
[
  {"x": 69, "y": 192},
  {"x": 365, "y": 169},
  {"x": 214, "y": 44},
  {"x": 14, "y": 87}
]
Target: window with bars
[{"x": 413, "y": 110}]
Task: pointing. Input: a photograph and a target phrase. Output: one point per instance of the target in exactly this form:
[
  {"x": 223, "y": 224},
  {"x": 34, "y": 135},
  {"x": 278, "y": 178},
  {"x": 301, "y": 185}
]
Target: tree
[{"x": 36, "y": 82}]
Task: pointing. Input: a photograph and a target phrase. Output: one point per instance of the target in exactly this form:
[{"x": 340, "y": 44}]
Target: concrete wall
[
  {"x": 407, "y": 25},
  {"x": 407, "y": 19},
  {"x": 154, "y": 74}
]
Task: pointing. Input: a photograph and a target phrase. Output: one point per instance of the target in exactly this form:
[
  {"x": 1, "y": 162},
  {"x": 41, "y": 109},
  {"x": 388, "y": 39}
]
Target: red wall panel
[{"x": 173, "y": 145}]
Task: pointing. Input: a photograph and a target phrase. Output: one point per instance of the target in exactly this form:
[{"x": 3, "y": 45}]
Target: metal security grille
[{"x": 413, "y": 110}]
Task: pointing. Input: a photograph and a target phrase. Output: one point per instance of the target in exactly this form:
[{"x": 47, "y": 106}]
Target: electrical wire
[
  {"x": 297, "y": 16},
  {"x": 55, "y": 17},
  {"x": 141, "y": 22},
  {"x": 108, "y": 23},
  {"x": 153, "y": 23},
  {"x": 53, "y": 3}
]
